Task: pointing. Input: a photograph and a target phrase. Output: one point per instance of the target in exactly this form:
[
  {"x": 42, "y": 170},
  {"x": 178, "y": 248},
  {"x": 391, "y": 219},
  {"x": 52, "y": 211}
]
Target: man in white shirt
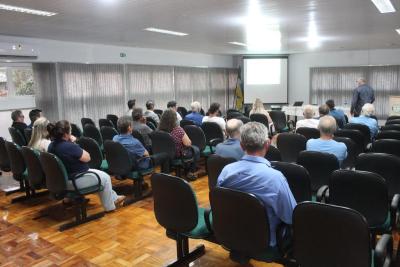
[
  {"x": 308, "y": 121},
  {"x": 213, "y": 112},
  {"x": 173, "y": 105},
  {"x": 150, "y": 111}
]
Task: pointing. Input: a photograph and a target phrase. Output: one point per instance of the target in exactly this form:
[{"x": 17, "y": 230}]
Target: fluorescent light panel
[
  {"x": 384, "y": 6},
  {"x": 237, "y": 43},
  {"x": 398, "y": 30},
  {"x": 27, "y": 10},
  {"x": 166, "y": 31}
]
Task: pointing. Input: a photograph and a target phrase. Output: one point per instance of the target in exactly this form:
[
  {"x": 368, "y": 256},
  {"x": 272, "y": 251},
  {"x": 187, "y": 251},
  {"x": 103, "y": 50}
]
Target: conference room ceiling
[{"x": 274, "y": 26}]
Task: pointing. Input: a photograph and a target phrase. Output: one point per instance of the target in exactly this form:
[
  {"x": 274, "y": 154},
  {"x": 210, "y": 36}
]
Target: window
[{"x": 23, "y": 81}]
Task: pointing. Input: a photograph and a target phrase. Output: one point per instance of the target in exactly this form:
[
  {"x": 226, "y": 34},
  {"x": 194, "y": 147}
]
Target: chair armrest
[
  {"x": 159, "y": 158},
  {"x": 394, "y": 207},
  {"x": 215, "y": 141},
  {"x": 383, "y": 251},
  {"x": 322, "y": 193},
  {"x": 143, "y": 159},
  {"x": 191, "y": 159},
  {"x": 207, "y": 214},
  {"x": 80, "y": 175}
]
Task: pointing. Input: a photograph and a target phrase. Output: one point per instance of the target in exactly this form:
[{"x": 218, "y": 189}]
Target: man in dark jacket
[{"x": 363, "y": 94}]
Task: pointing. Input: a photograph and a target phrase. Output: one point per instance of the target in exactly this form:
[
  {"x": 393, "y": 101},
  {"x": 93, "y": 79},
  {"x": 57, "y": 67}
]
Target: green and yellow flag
[{"x": 239, "y": 99}]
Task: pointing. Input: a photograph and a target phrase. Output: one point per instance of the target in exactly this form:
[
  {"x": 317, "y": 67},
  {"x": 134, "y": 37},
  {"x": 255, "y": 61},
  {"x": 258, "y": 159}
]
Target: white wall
[{"x": 300, "y": 64}]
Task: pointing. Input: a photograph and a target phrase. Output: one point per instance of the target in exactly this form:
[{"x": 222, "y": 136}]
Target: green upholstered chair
[
  {"x": 97, "y": 160},
  {"x": 17, "y": 137},
  {"x": 91, "y": 131}
]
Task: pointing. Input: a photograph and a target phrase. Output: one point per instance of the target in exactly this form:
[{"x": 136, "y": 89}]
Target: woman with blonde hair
[
  {"x": 258, "y": 108},
  {"x": 40, "y": 136}
]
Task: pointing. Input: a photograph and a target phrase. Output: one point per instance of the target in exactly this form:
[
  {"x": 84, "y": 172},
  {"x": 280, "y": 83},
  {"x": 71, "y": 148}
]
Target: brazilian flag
[{"x": 239, "y": 99}]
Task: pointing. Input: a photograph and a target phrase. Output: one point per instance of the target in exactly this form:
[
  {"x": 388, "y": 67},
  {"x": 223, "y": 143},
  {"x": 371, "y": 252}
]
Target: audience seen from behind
[
  {"x": 131, "y": 106},
  {"x": 195, "y": 115},
  {"x": 139, "y": 124},
  {"x": 231, "y": 147},
  {"x": 308, "y": 121},
  {"x": 40, "y": 139},
  {"x": 258, "y": 108},
  {"x": 213, "y": 113},
  {"x": 367, "y": 111},
  {"x": 75, "y": 160},
  {"x": 150, "y": 111},
  {"x": 139, "y": 155},
  {"x": 327, "y": 127},
  {"x": 173, "y": 105},
  {"x": 18, "y": 121},
  {"x": 183, "y": 144},
  {"x": 254, "y": 174},
  {"x": 323, "y": 110},
  {"x": 34, "y": 114},
  {"x": 338, "y": 114}
]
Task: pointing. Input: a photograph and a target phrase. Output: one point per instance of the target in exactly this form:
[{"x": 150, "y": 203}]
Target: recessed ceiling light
[
  {"x": 384, "y": 6},
  {"x": 166, "y": 31},
  {"x": 27, "y": 10},
  {"x": 237, "y": 43},
  {"x": 398, "y": 30}
]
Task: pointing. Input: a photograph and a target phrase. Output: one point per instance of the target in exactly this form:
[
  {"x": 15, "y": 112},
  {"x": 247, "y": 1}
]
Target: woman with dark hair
[
  {"x": 183, "y": 144},
  {"x": 75, "y": 160},
  {"x": 213, "y": 116}
]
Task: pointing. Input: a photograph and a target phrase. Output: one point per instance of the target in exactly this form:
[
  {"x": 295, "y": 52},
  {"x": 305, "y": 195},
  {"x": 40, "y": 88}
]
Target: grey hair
[
  {"x": 123, "y": 124},
  {"x": 308, "y": 112},
  {"x": 195, "y": 106},
  {"x": 368, "y": 110},
  {"x": 253, "y": 136},
  {"x": 233, "y": 127},
  {"x": 327, "y": 125}
]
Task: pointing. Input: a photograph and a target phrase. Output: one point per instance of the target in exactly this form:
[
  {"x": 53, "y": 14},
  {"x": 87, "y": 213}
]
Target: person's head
[
  {"x": 195, "y": 106},
  {"x": 17, "y": 116},
  {"x": 34, "y": 114},
  {"x": 168, "y": 121},
  {"x": 258, "y": 105},
  {"x": 172, "y": 105},
  {"x": 137, "y": 114},
  {"x": 214, "y": 109},
  {"x": 361, "y": 81},
  {"x": 308, "y": 112},
  {"x": 254, "y": 138},
  {"x": 330, "y": 103},
  {"x": 368, "y": 110},
  {"x": 131, "y": 103},
  {"x": 59, "y": 130},
  {"x": 124, "y": 124},
  {"x": 323, "y": 110},
  {"x": 233, "y": 128},
  {"x": 150, "y": 104},
  {"x": 39, "y": 132},
  {"x": 327, "y": 126}
]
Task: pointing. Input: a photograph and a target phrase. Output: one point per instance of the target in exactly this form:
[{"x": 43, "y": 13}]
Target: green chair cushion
[
  {"x": 200, "y": 231},
  {"x": 314, "y": 198},
  {"x": 84, "y": 191},
  {"x": 104, "y": 165}
]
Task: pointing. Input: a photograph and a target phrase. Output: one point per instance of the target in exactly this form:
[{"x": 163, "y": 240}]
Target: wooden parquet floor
[{"x": 129, "y": 236}]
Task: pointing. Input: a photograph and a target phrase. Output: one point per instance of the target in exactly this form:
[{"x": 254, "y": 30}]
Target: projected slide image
[{"x": 261, "y": 71}]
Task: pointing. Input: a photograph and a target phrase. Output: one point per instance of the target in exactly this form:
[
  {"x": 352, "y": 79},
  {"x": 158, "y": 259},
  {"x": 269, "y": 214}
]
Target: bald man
[
  {"x": 362, "y": 95},
  {"x": 231, "y": 147},
  {"x": 309, "y": 121}
]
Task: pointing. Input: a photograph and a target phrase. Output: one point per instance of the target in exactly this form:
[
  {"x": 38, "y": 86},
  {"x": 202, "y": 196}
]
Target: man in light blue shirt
[
  {"x": 327, "y": 127},
  {"x": 338, "y": 114},
  {"x": 231, "y": 147},
  {"x": 195, "y": 115},
  {"x": 367, "y": 111},
  {"x": 253, "y": 174}
]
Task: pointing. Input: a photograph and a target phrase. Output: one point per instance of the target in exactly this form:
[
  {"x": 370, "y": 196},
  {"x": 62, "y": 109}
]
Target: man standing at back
[
  {"x": 254, "y": 174},
  {"x": 363, "y": 94}
]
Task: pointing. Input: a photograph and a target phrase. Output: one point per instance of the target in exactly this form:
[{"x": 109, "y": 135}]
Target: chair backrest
[
  {"x": 17, "y": 162},
  {"x": 298, "y": 179},
  {"x": 113, "y": 118},
  {"x": 393, "y": 117},
  {"x": 36, "y": 175},
  {"x": 184, "y": 123},
  {"x": 159, "y": 112},
  {"x": 364, "y": 129},
  {"x": 351, "y": 151},
  {"x": 319, "y": 165},
  {"x": 151, "y": 125},
  {"x": 233, "y": 115},
  {"x": 91, "y": 146},
  {"x": 365, "y": 192},
  {"x": 386, "y": 165},
  {"x": 105, "y": 122},
  {"x": 196, "y": 135},
  {"x": 91, "y": 131},
  {"x": 212, "y": 131},
  {"x": 279, "y": 119},
  {"x": 28, "y": 134},
  {"x": 108, "y": 132},
  {"x": 347, "y": 243},
  {"x": 17, "y": 137},
  {"x": 162, "y": 142},
  {"x": 119, "y": 161},
  {"x": 4, "y": 160},
  {"x": 290, "y": 145},
  {"x": 139, "y": 137},
  {"x": 215, "y": 164},
  {"x": 261, "y": 118},
  {"x": 55, "y": 172},
  {"x": 149, "y": 119},
  {"x": 393, "y": 121},
  {"x": 85, "y": 121},
  {"x": 390, "y": 134},
  {"x": 395, "y": 127},
  {"x": 308, "y": 133},
  {"x": 388, "y": 146},
  {"x": 273, "y": 154},
  {"x": 240, "y": 221},
  {"x": 183, "y": 111},
  {"x": 175, "y": 204},
  {"x": 76, "y": 131},
  {"x": 354, "y": 135},
  {"x": 244, "y": 119}
]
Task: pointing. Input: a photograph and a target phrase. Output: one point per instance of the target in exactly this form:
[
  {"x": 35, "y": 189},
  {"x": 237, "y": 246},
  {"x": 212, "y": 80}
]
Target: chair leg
[{"x": 184, "y": 257}]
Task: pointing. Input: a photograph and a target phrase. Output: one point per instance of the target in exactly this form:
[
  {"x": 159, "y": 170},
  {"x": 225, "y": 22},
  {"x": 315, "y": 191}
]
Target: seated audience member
[
  {"x": 40, "y": 136},
  {"x": 212, "y": 116},
  {"x": 308, "y": 121},
  {"x": 182, "y": 142},
  {"x": 323, "y": 110},
  {"x": 34, "y": 114},
  {"x": 195, "y": 115},
  {"x": 367, "y": 111},
  {"x": 131, "y": 106},
  {"x": 327, "y": 127},
  {"x": 138, "y": 154},
  {"x": 338, "y": 114},
  {"x": 75, "y": 160},
  {"x": 258, "y": 108},
  {"x": 254, "y": 174},
  {"x": 150, "y": 111},
  {"x": 172, "y": 105},
  {"x": 139, "y": 124},
  {"x": 231, "y": 147},
  {"x": 18, "y": 121}
]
